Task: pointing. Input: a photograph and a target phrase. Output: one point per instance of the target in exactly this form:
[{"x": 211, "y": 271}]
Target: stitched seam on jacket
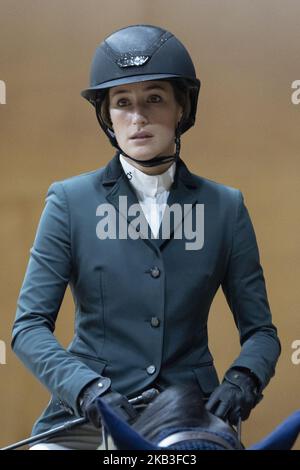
[
  {"x": 239, "y": 199},
  {"x": 69, "y": 223}
]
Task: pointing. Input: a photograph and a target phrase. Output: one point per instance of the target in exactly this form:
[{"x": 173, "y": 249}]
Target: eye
[
  {"x": 155, "y": 98},
  {"x": 122, "y": 102}
]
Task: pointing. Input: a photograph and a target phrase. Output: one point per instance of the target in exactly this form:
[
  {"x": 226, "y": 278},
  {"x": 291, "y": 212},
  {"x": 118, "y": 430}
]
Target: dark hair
[{"x": 181, "y": 95}]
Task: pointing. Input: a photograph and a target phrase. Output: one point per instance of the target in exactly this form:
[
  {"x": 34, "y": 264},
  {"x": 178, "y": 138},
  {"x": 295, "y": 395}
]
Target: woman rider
[{"x": 142, "y": 298}]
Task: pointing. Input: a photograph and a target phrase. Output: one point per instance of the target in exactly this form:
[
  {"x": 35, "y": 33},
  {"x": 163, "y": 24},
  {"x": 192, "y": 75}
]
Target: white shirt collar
[{"x": 149, "y": 185}]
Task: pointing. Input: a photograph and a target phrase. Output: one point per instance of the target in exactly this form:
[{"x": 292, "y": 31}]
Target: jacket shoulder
[
  {"x": 215, "y": 188},
  {"x": 79, "y": 182}
]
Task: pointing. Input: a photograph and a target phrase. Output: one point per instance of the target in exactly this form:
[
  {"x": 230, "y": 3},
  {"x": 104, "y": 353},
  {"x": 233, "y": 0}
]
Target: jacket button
[
  {"x": 151, "y": 370},
  {"x": 155, "y": 272},
  {"x": 155, "y": 322}
]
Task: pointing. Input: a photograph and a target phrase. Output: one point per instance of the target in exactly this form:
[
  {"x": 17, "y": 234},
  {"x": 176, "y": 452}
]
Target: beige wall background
[{"x": 246, "y": 53}]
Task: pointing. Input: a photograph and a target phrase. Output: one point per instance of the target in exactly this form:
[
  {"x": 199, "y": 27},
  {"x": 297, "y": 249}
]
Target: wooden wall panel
[{"x": 247, "y": 135}]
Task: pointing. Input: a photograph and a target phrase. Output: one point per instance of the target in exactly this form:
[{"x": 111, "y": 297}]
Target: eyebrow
[{"x": 149, "y": 87}]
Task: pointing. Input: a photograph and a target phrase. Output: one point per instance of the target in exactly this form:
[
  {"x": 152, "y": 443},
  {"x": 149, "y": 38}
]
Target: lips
[{"x": 141, "y": 135}]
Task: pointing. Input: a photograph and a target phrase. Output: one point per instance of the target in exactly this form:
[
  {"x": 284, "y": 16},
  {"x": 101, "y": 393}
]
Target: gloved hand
[
  {"x": 119, "y": 403},
  {"x": 236, "y": 396}
]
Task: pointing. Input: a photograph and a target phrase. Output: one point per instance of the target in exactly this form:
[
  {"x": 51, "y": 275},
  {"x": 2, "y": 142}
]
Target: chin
[{"x": 141, "y": 153}]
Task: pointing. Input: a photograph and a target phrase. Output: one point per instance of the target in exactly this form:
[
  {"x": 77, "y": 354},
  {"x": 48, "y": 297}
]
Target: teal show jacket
[{"x": 141, "y": 304}]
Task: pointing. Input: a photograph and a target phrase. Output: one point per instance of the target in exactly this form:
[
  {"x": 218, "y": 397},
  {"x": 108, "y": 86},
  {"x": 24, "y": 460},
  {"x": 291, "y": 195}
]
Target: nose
[{"x": 139, "y": 116}]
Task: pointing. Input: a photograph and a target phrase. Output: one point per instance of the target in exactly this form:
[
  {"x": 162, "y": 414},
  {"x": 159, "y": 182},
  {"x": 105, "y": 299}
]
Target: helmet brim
[{"x": 91, "y": 93}]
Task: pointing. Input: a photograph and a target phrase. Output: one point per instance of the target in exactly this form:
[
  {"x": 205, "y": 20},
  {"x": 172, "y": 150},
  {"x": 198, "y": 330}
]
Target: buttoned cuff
[{"x": 93, "y": 390}]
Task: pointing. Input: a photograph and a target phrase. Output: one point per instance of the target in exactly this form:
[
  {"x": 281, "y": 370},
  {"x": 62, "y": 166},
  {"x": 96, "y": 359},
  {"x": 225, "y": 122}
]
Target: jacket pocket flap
[{"x": 97, "y": 365}]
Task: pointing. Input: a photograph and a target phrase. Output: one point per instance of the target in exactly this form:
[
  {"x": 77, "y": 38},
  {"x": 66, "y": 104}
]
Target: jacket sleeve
[
  {"x": 46, "y": 279},
  {"x": 245, "y": 292}
]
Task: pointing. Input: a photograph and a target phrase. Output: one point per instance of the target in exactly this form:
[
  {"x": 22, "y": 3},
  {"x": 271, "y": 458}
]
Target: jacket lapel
[
  {"x": 122, "y": 196},
  {"x": 181, "y": 199}
]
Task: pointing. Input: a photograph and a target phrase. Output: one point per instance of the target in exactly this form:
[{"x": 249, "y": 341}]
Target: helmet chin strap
[{"x": 155, "y": 161}]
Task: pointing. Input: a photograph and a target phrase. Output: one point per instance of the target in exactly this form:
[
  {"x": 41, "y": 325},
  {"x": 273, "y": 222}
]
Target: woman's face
[{"x": 148, "y": 108}]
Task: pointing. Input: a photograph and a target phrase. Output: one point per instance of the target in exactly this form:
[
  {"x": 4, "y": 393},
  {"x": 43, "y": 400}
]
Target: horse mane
[
  {"x": 178, "y": 406},
  {"x": 178, "y": 419}
]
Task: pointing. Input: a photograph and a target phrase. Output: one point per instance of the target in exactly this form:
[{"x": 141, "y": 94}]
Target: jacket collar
[
  {"x": 114, "y": 170},
  {"x": 148, "y": 185},
  {"x": 182, "y": 192}
]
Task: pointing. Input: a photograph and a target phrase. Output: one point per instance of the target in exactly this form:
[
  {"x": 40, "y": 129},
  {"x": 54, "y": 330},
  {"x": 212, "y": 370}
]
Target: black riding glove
[
  {"x": 101, "y": 388},
  {"x": 236, "y": 396}
]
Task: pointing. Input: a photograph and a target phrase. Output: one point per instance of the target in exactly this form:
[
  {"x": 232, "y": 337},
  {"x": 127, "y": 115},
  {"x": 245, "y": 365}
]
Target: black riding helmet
[{"x": 140, "y": 53}]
